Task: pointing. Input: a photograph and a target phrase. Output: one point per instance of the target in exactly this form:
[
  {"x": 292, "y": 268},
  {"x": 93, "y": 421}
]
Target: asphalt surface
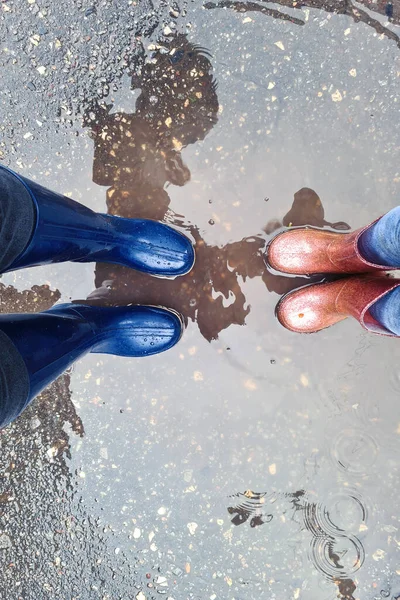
[{"x": 248, "y": 462}]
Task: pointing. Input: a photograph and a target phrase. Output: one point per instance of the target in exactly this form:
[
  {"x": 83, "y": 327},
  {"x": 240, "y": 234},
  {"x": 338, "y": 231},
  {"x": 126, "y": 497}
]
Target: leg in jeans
[
  {"x": 380, "y": 244},
  {"x": 386, "y": 311}
]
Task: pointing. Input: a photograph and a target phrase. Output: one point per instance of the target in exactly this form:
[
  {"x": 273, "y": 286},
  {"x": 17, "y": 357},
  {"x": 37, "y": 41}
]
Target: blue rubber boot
[
  {"x": 39, "y": 227},
  {"x": 36, "y": 348}
]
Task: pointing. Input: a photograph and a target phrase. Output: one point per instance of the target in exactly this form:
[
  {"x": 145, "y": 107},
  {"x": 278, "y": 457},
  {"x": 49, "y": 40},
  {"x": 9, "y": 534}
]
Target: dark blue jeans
[{"x": 380, "y": 244}]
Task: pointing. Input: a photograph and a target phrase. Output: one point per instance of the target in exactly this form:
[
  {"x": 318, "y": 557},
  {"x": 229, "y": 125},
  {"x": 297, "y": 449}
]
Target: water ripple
[
  {"x": 348, "y": 510},
  {"x": 335, "y": 550},
  {"x": 337, "y": 557},
  {"x": 354, "y": 451}
]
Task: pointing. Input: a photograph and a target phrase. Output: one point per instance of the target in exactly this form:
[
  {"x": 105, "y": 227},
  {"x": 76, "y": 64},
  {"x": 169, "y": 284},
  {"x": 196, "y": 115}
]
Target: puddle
[{"x": 134, "y": 478}]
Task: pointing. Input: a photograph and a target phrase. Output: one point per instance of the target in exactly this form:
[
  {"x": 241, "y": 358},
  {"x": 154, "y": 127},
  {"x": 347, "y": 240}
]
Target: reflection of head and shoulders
[
  {"x": 138, "y": 154},
  {"x": 178, "y": 92}
]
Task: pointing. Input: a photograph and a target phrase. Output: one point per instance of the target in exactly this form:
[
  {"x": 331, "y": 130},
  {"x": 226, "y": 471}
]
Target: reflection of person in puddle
[{"x": 137, "y": 154}]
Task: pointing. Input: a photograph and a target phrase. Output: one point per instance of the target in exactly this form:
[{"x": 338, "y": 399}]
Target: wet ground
[{"x": 248, "y": 462}]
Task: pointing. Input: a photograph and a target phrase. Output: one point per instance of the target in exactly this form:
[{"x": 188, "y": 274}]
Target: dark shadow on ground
[{"x": 339, "y": 7}]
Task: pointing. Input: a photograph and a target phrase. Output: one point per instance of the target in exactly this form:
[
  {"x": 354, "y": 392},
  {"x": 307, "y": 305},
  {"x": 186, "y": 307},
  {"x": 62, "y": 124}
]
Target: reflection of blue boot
[
  {"x": 36, "y": 348},
  {"x": 38, "y": 227}
]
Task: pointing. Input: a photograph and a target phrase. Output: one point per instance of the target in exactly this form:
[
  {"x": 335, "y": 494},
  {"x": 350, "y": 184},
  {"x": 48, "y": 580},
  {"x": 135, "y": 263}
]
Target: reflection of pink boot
[
  {"x": 312, "y": 251},
  {"x": 315, "y": 307}
]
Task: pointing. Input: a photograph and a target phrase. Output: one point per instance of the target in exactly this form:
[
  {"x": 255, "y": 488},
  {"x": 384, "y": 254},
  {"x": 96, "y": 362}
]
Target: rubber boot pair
[
  {"x": 315, "y": 307},
  {"x": 39, "y": 227}
]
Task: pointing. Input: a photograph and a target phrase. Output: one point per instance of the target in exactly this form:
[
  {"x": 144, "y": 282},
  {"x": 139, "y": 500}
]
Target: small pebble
[
  {"x": 192, "y": 528},
  {"x": 5, "y": 541}
]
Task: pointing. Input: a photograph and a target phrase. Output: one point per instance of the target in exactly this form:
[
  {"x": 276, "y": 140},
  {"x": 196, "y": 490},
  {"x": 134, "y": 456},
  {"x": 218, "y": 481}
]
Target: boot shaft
[
  {"x": 17, "y": 218},
  {"x": 64, "y": 230},
  {"x": 14, "y": 381},
  {"x": 61, "y": 229},
  {"x": 48, "y": 342}
]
